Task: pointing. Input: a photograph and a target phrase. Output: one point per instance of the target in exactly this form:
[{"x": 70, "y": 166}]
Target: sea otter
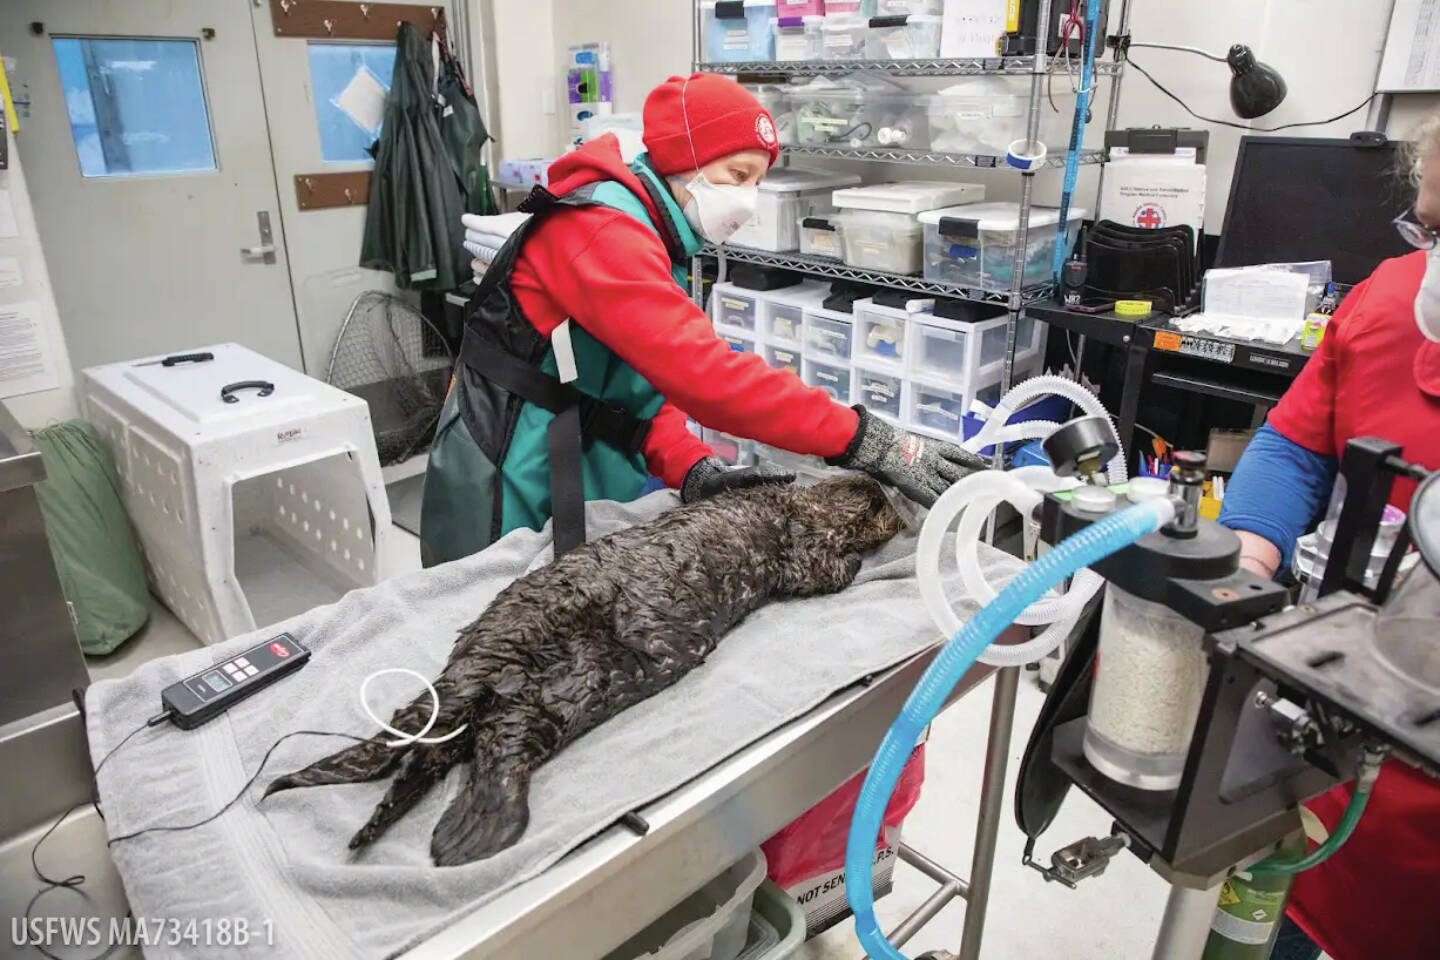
[{"x": 567, "y": 646}]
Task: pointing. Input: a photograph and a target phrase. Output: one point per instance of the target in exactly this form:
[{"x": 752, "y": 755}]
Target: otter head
[{"x": 851, "y": 512}]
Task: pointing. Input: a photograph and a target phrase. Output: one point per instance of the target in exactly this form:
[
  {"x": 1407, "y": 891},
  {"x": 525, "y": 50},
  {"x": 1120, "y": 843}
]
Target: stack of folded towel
[{"x": 484, "y": 236}]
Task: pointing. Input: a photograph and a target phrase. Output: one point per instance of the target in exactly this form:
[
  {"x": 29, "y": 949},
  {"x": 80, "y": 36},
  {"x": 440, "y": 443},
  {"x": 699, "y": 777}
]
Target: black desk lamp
[{"x": 1255, "y": 88}]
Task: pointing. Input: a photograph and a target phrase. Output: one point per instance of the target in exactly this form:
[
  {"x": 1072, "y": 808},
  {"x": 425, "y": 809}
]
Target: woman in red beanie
[{"x": 583, "y": 353}]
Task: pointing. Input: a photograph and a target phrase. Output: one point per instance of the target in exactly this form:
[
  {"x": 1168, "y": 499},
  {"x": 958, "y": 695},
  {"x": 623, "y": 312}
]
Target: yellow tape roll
[{"x": 1133, "y": 309}]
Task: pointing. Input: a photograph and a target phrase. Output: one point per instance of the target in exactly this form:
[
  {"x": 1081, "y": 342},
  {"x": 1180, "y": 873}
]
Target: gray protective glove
[
  {"x": 918, "y": 467},
  {"x": 712, "y": 475}
]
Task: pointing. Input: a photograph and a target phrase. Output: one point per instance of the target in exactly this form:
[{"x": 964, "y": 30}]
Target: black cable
[
  {"x": 74, "y": 881},
  {"x": 1244, "y": 126},
  {"x": 235, "y": 799}
]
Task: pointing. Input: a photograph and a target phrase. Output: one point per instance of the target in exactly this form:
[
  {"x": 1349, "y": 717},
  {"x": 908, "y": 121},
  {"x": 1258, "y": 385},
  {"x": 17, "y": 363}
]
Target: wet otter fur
[{"x": 567, "y": 646}]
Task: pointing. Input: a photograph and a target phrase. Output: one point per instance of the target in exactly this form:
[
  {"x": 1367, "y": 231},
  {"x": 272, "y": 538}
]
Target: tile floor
[{"x": 1109, "y": 917}]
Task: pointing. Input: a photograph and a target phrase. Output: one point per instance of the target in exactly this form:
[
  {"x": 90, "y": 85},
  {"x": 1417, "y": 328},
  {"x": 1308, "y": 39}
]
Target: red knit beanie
[{"x": 724, "y": 118}]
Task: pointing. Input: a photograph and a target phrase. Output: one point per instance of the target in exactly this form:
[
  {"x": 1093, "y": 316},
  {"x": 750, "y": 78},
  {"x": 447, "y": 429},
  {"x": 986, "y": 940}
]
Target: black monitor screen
[{"x": 1296, "y": 199}]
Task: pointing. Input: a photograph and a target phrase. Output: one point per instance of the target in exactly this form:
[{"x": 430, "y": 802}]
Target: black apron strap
[
  {"x": 567, "y": 483},
  {"x": 597, "y": 418}
]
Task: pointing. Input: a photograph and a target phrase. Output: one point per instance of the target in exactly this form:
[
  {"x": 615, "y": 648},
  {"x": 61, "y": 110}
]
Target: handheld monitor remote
[{"x": 209, "y": 693}]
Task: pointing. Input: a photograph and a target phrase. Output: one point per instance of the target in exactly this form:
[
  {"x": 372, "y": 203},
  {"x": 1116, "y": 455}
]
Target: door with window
[
  {"x": 166, "y": 146},
  {"x": 147, "y": 154}
]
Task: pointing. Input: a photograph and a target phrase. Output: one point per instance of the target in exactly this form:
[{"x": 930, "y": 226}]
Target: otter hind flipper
[
  {"x": 360, "y": 762},
  {"x": 424, "y": 765}
]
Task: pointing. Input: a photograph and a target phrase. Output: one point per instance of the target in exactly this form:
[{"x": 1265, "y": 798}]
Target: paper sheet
[
  {"x": 10, "y": 275},
  {"x": 1412, "y": 48},
  {"x": 1256, "y": 292},
  {"x": 971, "y": 27},
  {"x": 8, "y": 227},
  {"x": 26, "y": 365},
  {"x": 363, "y": 100}
]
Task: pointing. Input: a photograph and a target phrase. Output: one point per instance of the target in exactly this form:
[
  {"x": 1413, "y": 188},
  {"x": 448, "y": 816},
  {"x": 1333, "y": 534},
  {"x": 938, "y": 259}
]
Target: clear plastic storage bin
[
  {"x": 782, "y": 311},
  {"x": 786, "y": 196},
  {"x": 880, "y": 231},
  {"x": 863, "y": 8},
  {"x": 881, "y": 335},
  {"x": 738, "y": 343},
  {"x": 834, "y": 380},
  {"x": 843, "y": 36},
  {"x": 880, "y": 392},
  {"x": 800, "y": 8},
  {"x": 985, "y": 115},
  {"x": 733, "y": 307},
  {"x": 797, "y": 37},
  {"x": 738, "y": 30},
  {"x": 873, "y": 240},
  {"x": 832, "y": 114},
  {"x": 776, "y": 100},
  {"x": 912, "y": 37},
  {"x": 890, "y": 8},
  {"x": 783, "y": 357},
  {"x": 956, "y": 352},
  {"x": 820, "y": 237},
  {"x": 827, "y": 336},
  {"x": 713, "y": 923},
  {"x": 974, "y": 244}
]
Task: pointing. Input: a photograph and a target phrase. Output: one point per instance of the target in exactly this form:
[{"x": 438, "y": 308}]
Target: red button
[{"x": 279, "y": 649}]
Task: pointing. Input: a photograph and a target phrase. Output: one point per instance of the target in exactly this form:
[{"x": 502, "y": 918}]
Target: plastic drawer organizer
[{"x": 256, "y": 490}]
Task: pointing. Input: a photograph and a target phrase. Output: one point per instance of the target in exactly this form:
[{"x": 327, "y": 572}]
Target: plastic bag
[
  {"x": 814, "y": 842},
  {"x": 91, "y": 539}
]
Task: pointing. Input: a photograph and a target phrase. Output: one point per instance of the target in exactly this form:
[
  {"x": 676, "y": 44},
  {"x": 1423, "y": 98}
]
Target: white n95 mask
[
  {"x": 716, "y": 210},
  {"x": 1427, "y": 301}
]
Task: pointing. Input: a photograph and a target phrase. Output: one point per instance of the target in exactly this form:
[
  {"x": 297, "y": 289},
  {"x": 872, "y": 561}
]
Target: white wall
[
  {"x": 35, "y": 409},
  {"x": 1328, "y": 51}
]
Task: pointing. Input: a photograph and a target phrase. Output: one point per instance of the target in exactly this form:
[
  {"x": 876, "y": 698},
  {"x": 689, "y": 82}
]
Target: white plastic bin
[
  {"x": 985, "y": 115},
  {"x": 250, "y": 510},
  {"x": 786, "y": 196},
  {"x": 738, "y": 30},
  {"x": 783, "y": 358},
  {"x": 798, "y": 38},
  {"x": 782, "y": 311},
  {"x": 828, "y": 336},
  {"x": 843, "y": 36},
  {"x": 905, "y": 37},
  {"x": 880, "y": 231},
  {"x": 735, "y": 451},
  {"x": 712, "y": 923},
  {"x": 974, "y": 244},
  {"x": 874, "y": 240},
  {"x": 820, "y": 237},
  {"x": 880, "y": 392},
  {"x": 881, "y": 335},
  {"x": 954, "y": 352},
  {"x": 733, "y": 307},
  {"x": 800, "y": 8},
  {"x": 834, "y": 379},
  {"x": 776, "y": 99}
]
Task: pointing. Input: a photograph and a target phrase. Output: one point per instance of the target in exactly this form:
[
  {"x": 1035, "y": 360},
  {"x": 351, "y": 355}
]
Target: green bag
[{"x": 96, "y": 553}]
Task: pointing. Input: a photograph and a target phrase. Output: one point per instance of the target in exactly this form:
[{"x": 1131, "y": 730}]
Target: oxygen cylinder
[{"x": 1247, "y": 918}]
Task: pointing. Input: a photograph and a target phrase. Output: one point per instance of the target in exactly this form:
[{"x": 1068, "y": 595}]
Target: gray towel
[{"x": 284, "y": 866}]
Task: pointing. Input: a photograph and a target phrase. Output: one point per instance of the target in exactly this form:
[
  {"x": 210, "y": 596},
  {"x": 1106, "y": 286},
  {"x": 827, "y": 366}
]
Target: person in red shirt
[
  {"x": 584, "y": 354},
  {"x": 1376, "y": 373}
]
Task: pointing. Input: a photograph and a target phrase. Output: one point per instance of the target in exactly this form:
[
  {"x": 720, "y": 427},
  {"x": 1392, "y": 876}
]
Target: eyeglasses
[{"x": 1416, "y": 233}]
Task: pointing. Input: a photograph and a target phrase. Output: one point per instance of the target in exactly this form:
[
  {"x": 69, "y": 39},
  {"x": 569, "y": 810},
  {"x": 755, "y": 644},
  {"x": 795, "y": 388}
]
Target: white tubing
[
  {"x": 405, "y": 739},
  {"x": 973, "y": 499},
  {"x": 1033, "y": 389}
]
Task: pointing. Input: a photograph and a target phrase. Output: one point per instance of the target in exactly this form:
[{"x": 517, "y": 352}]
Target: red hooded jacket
[{"x": 611, "y": 275}]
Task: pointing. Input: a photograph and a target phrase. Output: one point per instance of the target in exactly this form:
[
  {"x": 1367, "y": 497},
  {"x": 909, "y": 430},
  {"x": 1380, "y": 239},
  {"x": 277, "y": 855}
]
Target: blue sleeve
[{"x": 1277, "y": 489}]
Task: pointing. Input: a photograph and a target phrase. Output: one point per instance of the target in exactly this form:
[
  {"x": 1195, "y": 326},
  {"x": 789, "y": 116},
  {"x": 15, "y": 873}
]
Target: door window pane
[
  {"x": 135, "y": 106},
  {"x": 349, "y": 81}
]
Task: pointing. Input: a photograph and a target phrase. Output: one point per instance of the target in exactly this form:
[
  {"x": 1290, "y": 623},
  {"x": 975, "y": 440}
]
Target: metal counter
[{"x": 40, "y": 728}]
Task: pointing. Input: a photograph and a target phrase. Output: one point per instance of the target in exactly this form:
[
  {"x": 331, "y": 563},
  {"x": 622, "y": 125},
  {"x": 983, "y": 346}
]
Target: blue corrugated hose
[
  {"x": 1082, "y": 549},
  {"x": 1077, "y": 134}
]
